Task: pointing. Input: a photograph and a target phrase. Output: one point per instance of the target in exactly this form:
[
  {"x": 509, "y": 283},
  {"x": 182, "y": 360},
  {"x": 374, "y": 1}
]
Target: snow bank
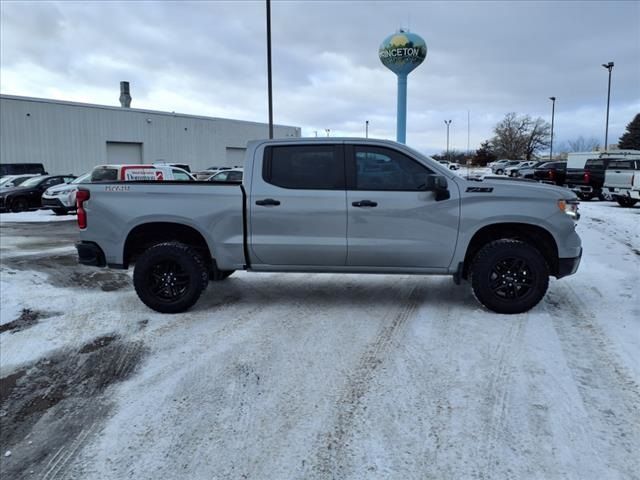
[{"x": 35, "y": 217}]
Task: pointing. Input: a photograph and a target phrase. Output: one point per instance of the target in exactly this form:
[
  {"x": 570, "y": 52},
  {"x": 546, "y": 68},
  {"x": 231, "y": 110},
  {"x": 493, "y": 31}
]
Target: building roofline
[{"x": 136, "y": 110}]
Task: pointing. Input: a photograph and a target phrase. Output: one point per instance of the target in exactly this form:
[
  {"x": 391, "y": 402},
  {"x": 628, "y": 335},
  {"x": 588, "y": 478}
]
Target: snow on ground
[
  {"x": 35, "y": 217},
  {"x": 326, "y": 376}
]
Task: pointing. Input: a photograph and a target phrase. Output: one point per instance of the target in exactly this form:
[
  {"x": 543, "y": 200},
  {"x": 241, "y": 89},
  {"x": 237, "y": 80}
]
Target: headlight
[{"x": 570, "y": 207}]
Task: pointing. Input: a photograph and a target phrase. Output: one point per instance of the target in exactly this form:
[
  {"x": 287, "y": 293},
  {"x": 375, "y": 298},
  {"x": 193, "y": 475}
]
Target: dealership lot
[{"x": 317, "y": 376}]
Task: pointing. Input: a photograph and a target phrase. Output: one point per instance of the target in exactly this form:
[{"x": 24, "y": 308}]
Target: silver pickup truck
[
  {"x": 620, "y": 180},
  {"x": 333, "y": 205}
]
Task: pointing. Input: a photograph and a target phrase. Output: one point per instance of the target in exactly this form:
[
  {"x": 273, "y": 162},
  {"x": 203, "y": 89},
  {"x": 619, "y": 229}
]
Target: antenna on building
[{"x": 125, "y": 96}]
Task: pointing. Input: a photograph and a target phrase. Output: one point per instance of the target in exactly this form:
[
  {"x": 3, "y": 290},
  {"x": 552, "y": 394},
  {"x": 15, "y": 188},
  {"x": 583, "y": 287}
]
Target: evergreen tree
[
  {"x": 630, "y": 140},
  {"x": 484, "y": 154}
]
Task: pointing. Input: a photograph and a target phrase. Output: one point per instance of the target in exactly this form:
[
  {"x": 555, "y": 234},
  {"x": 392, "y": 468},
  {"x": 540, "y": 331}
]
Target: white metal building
[{"x": 70, "y": 137}]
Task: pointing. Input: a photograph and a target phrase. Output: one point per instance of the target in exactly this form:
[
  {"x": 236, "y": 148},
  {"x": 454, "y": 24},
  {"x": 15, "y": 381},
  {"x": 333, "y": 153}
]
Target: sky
[{"x": 484, "y": 59}]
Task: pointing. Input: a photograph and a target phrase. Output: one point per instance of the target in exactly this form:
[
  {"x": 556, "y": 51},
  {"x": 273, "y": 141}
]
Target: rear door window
[
  {"x": 622, "y": 165},
  {"x": 306, "y": 167}
]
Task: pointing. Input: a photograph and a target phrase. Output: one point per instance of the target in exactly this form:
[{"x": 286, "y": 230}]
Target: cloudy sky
[{"x": 209, "y": 58}]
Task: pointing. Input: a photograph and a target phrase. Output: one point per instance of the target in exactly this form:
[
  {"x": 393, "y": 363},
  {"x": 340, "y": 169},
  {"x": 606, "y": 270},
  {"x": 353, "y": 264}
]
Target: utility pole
[
  {"x": 447, "y": 123},
  {"x": 366, "y": 129},
  {"x": 608, "y": 66},
  {"x": 553, "y": 114},
  {"x": 468, "y": 131}
]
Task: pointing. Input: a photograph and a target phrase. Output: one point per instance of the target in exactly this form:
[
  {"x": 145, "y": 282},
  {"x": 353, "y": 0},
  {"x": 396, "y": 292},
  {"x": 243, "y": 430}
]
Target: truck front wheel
[
  {"x": 170, "y": 277},
  {"x": 509, "y": 276},
  {"x": 626, "y": 201}
]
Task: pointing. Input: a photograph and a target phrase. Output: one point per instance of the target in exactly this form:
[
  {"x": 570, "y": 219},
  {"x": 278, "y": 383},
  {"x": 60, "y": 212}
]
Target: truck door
[
  {"x": 297, "y": 206},
  {"x": 391, "y": 220}
]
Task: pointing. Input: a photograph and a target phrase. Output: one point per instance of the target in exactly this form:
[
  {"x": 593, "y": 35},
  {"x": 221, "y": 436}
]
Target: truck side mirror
[{"x": 438, "y": 184}]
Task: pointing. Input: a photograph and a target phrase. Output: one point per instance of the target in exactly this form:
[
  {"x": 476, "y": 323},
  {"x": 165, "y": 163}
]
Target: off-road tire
[
  {"x": 497, "y": 255},
  {"x": 189, "y": 271},
  {"x": 19, "y": 204},
  {"x": 626, "y": 202}
]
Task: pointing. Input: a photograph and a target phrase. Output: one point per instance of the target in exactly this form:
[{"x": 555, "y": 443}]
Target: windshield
[
  {"x": 5, "y": 180},
  {"x": 32, "y": 182}
]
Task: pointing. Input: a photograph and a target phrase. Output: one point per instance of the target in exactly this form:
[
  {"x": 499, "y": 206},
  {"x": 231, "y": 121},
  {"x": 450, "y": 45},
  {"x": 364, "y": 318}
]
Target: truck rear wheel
[
  {"x": 170, "y": 277},
  {"x": 509, "y": 276}
]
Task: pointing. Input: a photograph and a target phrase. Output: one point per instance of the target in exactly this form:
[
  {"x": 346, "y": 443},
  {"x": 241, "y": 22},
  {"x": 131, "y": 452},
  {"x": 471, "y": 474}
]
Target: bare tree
[
  {"x": 582, "y": 144},
  {"x": 518, "y": 137}
]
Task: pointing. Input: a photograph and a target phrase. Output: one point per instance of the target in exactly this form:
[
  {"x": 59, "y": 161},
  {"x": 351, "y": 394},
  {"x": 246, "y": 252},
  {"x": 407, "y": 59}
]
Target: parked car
[
  {"x": 29, "y": 194},
  {"x": 551, "y": 172},
  {"x": 512, "y": 171},
  {"x": 586, "y": 171},
  {"x": 209, "y": 172},
  {"x": 404, "y": 213},
  {"x": 528, "y": 172},
  {"x": 232, "y": 175},
  {"x": 498, "y": 162},
  {"x": 183, "y": 166},
  {"x": 62, "y": 198},
  {"x": 500, "y": 168},
  {"x": 110, "y": 173},
  {"x": 620, "y": 178},
  {"x": 15, "y": 180},
  {"x": 449, "y": 165},
  {"x": 21, "y": 169},
  {"x": 587, "y": 182}
]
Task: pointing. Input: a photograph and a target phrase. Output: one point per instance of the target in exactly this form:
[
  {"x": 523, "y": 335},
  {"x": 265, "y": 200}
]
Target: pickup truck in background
[
  {"x": 620, "y": 179},
  {"x": 553, "y": 173},
  {"x": 332, "y": 205}
]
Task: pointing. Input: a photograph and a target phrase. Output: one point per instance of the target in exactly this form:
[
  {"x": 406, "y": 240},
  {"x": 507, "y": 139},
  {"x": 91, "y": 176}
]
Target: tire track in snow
[
  {"x": 331, "y": 455},
  {"x": 496, "y": 400},
  {"x": 610, "y": 395}
]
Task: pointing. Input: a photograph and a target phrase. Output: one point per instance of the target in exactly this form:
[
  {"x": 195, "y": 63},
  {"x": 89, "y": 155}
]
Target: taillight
[
  {"x": 587, "y": 177},
  {"x": 81, "y": 197}
]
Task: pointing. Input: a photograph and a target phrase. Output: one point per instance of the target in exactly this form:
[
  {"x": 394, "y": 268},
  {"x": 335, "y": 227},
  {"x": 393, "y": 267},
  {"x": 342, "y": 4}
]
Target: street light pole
[
  {"x": 366, "y": 129},
  {"x": 553, "y": 114},
  {"x": 447, "y": 123},
  {"x": 608, "y": 66},
  {"x": 269, "y": 86}
]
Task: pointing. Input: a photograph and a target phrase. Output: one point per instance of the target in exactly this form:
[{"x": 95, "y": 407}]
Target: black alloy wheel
[
  {"x": 509, "y": 276},
  {"x": 168, "y": 281},
  {"x": 170, "y": 277}
]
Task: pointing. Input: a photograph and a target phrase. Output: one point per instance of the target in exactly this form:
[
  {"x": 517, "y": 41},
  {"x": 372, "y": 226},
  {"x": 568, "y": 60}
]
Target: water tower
[{"x": 401, "y": 53}]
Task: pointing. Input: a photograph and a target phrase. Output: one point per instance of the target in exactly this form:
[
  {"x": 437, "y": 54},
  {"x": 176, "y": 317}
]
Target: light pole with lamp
[
  {"x": 608, "y": 66},
  {"x": 366, "y": 129},
  {"x": 553, "y": 114},
  {"x": 447, "y": 123}
]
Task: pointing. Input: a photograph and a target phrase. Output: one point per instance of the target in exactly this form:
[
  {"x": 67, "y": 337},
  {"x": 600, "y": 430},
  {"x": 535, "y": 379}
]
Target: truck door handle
[
  {"x": 365, "y": 203},
  {"x": 268, "y": 202}
]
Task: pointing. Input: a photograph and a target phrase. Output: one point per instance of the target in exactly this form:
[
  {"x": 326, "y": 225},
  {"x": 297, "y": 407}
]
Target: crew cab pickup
[
  {"x": 333, "y": 205},
  {"x": 620, "y": 178}
]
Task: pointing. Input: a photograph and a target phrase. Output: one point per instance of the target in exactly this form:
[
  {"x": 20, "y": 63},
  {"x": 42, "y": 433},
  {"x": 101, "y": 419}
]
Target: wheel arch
[
  {"x": 145, "y": 235},
  {"x": 534, "y": 235}
]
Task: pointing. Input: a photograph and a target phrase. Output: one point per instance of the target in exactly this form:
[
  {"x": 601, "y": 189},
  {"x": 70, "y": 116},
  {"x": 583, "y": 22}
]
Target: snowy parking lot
[{"x": 278, "y": 376}]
